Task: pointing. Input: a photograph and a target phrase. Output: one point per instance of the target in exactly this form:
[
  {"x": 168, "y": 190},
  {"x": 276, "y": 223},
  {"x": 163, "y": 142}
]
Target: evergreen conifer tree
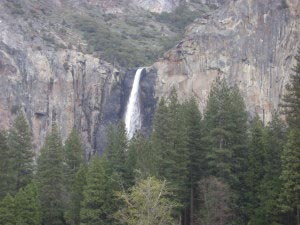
[
  {"x": 115, "y": 151},
  {"x": 50, "y": 179},
  {"x": 290, "y": 177},
  {"x": 7, "y": 211},
  {"x": 76, "y": 197},
  {"x": 74, "y": 159},
  {"x": 20, "y": 144},
  {"x": 98, "y": 205},
  {"x": 169, "y": 142},
  {"x": 5, "y": 169},
  {"x": 268, "y": 211},
  {"x": 27, "y": 208},
  {"x": 291, "y": 102},
  {"x": 196, "y": 153}
]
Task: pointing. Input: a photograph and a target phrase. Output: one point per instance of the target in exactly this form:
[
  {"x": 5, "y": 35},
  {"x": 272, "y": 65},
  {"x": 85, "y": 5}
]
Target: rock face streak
[{"x": 249, "y": 42}]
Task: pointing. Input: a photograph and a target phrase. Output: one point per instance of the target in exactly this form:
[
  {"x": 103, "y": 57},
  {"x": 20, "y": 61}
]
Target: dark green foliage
[
  {"x": 27, "y": 206},
  {"x": 98, "y": 203},
  {"x": 74, "y": 176},
  {"x": 72, "y": 215},
  {"x": 255, "y": 165},
  {"x": 291, "y": 102},
  {"x": 116, "y": 152},
  {"x": 270, "y": 187},
  {"x": 20, "y": 144},
  {"x": 50, "y": 179},
  {"x": 5, "y": 170},
  {"x": 225, "y": 125},
  {"x": 74, "y": 156},
  {"x": 7, "y": 211},
  {"x": 146, "y": 164},
  {"x": 196, "y": 152},
  {"x": 179, "y": 19},
  {"x": 225, "y": 139},
  {"x": 290, "y": 176},
  {"x": 170, "y": 144}
]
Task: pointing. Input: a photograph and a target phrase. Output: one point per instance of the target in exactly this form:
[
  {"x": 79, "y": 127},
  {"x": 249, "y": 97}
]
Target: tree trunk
[{"x": 192, "y": 207}]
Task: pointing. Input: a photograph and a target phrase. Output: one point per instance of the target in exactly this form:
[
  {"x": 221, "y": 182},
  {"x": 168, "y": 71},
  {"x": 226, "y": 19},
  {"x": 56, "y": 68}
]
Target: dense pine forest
[{"x": 215, "y": 168}]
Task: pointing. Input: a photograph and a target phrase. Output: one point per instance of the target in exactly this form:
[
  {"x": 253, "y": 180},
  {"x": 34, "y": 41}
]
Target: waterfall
[{"x": 133, "y": 114}]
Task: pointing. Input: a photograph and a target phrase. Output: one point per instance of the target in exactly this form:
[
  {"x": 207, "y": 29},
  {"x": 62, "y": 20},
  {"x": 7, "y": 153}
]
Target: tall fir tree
[
  {"x": 27, "y": 207},
  {"x": 169, "y": 142},
  {"x": 72, "y": 215},
  {"x": 290, "y": 177},
  {"x": 255, "y": 168},
  {"x": 20, "y": 144},
  {"x": 290, "y": 161},
  {"x": 6, "y": 173},
  {"x": 196, "y": 152},
  {"x": 146, "y": 164},
  {"x": 225, "y": 125},
  {"x": 115, "y": 151},
  {"x": 291, "y": 102},
  {"x": 98, "y": 205},
  {"x": 225, "y": 139},
  {"x": 50, "y": 179},
  {"x": 7, "y": 211},
  {"x": 270, "y": 187},
  {"x": 74, "y": 159}
]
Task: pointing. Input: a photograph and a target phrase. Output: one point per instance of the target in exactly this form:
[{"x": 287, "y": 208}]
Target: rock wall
[
  {"x": 249, "y": 42},
  {"x": 48, "y": 84}
]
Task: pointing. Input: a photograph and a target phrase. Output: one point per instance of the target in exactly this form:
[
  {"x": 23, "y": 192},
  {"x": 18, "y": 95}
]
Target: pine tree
[
  {"x": 27, "y": 206},
  {"x": 255, "y": 167},
  {"x": 7, "y": 211},
  {"x": 290, "y": 156},
  {"x": 146, "y": 164},
  {"x": 225, "y": 125},
  {"x": 291, "y": 102},
  {"x": 115, "y": 151},
  {"x": 267, "y": 212},
  {"x": 50, "y": 179},
  {"x": 98, "y": 205},
  {"x": 169, "y": 141},
  {"x": 225, "y": 139},
  {"x": 76, "y": 197},
  {"x": 20, "y": 144},
  {"x": 196, "y": 153},
  {"x": 5, "y": 169},
  {"x": 290, "y": 177},
  {"x": 74, "y": 159}
]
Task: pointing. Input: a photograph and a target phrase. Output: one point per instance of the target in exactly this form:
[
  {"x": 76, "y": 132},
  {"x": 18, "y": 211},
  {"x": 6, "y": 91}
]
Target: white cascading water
[{"x": 133, "y": 113}]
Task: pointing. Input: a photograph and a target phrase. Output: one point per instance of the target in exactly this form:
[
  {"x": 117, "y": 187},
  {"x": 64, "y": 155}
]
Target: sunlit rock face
[{"x": 249, "y": 42}]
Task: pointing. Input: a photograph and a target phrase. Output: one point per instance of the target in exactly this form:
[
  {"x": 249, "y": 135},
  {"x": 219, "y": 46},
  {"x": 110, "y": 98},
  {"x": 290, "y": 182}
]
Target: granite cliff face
[
  {"x": 46, "y": 71},
  {"x": 249, "y": 42}
]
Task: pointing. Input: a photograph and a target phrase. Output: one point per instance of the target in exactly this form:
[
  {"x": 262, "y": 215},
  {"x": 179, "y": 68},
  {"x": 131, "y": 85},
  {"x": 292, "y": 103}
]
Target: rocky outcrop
[
  {"x": 249, "y": 42},
  {"x": 51, "y": 85}
]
